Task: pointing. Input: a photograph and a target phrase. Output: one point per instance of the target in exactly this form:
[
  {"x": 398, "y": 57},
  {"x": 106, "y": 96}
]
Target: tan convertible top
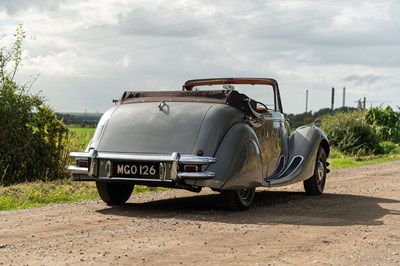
[
  {"x": 229, "y": 97},
  {"x": 216, "y": 96}
]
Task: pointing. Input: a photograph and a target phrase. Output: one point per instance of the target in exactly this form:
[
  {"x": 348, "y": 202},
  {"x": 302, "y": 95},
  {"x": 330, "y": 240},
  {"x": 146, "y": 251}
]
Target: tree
[{"x": 32, "y": 140}]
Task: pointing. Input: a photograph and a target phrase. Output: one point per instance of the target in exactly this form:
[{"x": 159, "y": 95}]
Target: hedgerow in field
[
  {"x": 350, "y": 133},
  {"x": 386, "y": 122},
  {"x": 32, "y": 140}
]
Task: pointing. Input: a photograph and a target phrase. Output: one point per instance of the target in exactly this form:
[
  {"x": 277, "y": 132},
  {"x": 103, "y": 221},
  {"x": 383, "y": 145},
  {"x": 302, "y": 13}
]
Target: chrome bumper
[{"x": 168, "y": 166}]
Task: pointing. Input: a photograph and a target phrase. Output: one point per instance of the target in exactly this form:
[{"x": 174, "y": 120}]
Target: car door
[{"x": 273, "y": 139}]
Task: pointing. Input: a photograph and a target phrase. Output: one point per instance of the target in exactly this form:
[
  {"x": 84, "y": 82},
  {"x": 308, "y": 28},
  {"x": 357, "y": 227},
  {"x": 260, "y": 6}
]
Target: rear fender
[
  {"x": 239, "y": 162},
  {"x": 303, "y": 147}
]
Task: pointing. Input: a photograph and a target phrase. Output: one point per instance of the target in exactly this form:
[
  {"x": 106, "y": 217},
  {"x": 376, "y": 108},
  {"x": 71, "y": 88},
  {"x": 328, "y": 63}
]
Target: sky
[{"x": 83, "y": 54}]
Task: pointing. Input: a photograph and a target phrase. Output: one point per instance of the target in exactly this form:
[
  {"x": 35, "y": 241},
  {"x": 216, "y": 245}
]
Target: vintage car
[{"x": 228, "y": 134}]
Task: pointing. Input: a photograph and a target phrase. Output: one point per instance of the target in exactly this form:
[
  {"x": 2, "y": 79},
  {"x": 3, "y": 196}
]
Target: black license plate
[{"x": 137, "y": 170}]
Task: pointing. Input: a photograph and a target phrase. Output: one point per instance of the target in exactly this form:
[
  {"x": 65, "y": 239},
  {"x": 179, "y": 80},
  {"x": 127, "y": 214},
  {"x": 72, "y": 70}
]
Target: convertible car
[{"x": 228, "y": 134}]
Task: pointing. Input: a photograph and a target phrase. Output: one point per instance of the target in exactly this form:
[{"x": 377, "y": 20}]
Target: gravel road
[{"x": 355, "y": 222}]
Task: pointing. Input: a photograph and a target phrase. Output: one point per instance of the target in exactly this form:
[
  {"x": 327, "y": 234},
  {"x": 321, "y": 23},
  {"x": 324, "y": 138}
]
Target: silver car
[{"x": 228, "y": 134}]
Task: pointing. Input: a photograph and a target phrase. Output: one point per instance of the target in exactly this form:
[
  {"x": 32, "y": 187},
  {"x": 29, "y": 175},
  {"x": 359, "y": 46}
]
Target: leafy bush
[
  {"x": 386, "y": 123},
  {"x": 389, "y": 147},
  {"x": 32, "y": 140},
  {"x": 350, "y": 133}
]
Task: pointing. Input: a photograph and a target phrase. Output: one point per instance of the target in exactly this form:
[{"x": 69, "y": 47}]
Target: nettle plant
[{"x": 32, "y": 141}]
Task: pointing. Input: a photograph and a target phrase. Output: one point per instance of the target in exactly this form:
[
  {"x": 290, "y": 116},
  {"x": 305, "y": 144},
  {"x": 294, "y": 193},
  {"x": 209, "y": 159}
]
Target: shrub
[
  {"x": 389, "y": 147},
  {"x": 386, "y": 123},
  {"x": 350, "y": 133},
  {"x": 32, "y": 140}
]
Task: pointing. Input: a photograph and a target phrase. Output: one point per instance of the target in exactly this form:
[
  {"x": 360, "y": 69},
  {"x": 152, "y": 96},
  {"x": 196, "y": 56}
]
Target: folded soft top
[{"x": 229, "y": 97}]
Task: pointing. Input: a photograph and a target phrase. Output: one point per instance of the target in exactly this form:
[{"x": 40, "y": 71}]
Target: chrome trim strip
[
  {"x": 82, "y": 155},
  {"x": 168, "y": 172},
  {"x": 196, "y": 175},
  {"x": 185, "y": 159},
  {"x": 163, "y": 172},
  {"x": 283, "y": 168},
  {"x": 288, "y": 176},
  {"x": 301, "y": 160},
  {"x": 196, "y": 160},
  {"x": 78, "y": 170},
  {"x": 109, "y": 168},
  {"x": 174, "y": 166},
  {"x": 133, "y": 179}
]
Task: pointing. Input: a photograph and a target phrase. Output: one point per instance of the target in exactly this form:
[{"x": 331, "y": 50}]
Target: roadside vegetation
[
  {"x": 339, "y": 160},
  {"x": 34, "y": 143},
  {"x": 40, "y": 193},
  {"x": 364, "y": 132}
]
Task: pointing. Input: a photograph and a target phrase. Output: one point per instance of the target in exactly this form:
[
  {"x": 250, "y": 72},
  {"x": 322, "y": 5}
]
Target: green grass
[
  {"x": 340, "y": 161},
  {"x": 80, "y": 137},
  {"x": 35, "y": 194},
  {"x": 82, "y": 130}
]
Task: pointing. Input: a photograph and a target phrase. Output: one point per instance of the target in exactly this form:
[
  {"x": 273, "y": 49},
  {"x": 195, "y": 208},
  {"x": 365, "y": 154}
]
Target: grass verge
[
  {"x": 35, "y": 194},
  {"x": 340, "y": 161}
]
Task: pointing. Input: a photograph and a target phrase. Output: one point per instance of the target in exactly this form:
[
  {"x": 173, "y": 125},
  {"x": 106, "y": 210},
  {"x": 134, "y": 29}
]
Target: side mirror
[{"x": 318, "y": 123}]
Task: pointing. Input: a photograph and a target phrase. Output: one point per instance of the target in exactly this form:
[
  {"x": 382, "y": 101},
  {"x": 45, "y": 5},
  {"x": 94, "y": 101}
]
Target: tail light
[
  {"x": 190, "y": 168},
  {"x": 81, "y": 163}
]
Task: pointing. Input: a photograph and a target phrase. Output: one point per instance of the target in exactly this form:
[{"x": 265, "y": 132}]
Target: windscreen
[{"x": 259, "y": 93}]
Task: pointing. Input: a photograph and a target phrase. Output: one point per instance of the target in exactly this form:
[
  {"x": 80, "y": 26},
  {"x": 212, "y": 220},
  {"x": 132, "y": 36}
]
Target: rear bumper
[{"x": 99, "y": 166}]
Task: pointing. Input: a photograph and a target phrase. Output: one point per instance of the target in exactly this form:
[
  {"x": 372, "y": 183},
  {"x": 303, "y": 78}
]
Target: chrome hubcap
[{"x": 320, "y": 171}]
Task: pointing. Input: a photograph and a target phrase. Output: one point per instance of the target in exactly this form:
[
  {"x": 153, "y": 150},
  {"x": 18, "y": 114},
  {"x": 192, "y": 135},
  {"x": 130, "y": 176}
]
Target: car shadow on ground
[{"x": 268, "y": 208}]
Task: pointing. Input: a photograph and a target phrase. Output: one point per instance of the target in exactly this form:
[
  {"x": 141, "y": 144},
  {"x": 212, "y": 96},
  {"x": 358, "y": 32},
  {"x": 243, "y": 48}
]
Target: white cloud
[
  {"x": 125, "y": 61},
  {"x": 66, "y": 63},
  {"x": 97, "y": 49}
]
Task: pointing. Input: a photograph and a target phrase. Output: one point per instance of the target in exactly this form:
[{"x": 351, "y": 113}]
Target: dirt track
[{"x": 356, "y": 222}]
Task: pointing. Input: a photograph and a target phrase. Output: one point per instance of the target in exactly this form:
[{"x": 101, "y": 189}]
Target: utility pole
[
  {"x": 344, "y": 96},
  {"x": 333, "y": 98},
  {"x": 365, "y": 102},
  {"x": 359, "y": 106},
  {"x": 306, "y": 101}
]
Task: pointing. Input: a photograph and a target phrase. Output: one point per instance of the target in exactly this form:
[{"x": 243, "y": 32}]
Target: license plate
[{"x": 137, "y": 170}]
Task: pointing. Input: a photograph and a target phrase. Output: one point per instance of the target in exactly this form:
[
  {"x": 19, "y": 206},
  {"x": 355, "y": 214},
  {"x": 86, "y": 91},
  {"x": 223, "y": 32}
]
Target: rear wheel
[
  {"x": 316, "y": 183},
  {"x": 238, "y": 200},
  {"x": 114, "y": 193}
]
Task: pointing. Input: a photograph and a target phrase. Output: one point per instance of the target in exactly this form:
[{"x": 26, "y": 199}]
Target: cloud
[
  {"x": 362, "y": 80},
  {"x": 97, "y": 49},
  {"x": 18, "y": 6},
  {"x": 66, "y": 63},
  {"x": 125, "y": 61}
]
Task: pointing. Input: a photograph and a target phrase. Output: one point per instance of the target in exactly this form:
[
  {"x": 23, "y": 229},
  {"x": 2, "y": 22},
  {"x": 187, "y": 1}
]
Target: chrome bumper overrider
[{"x": 98, "y": 162}]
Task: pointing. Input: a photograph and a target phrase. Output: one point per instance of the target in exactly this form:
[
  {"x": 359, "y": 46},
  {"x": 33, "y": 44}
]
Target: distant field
[
  {"x": 82, "y": 130},
  {"x": 80, "y": 137}
]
